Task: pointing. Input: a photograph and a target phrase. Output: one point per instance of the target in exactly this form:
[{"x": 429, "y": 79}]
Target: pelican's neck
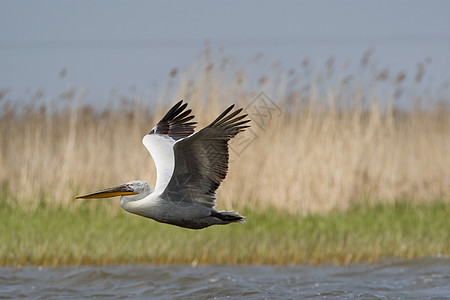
[{"x": 142, "y": 206}]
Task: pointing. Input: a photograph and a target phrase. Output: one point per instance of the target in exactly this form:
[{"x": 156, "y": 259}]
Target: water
[{"x": 424, "y": 278}]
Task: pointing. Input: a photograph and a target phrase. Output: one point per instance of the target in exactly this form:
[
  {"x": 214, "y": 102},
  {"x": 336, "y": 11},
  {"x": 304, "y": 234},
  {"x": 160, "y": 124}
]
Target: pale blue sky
[{"x": 107, "y": 44}]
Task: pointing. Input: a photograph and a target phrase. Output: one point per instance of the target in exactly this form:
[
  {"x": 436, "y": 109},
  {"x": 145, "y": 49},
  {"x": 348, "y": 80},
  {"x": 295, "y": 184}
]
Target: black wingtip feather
[
  {"x": 175, "y": 122},
  {"x": 231, "y": 123},
  {"x": 173, "y": 110},
  {"x": 222, "y": 115}
]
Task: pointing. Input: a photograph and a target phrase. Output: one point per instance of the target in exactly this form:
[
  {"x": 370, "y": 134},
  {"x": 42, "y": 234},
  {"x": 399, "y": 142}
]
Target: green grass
[{"x": 48, "y": 236}]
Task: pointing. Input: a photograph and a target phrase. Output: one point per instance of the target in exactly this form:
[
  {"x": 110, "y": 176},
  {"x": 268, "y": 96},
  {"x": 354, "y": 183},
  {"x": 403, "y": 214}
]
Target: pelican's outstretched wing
[
  {"x": 201, "y": 160},
  {"x": 159, "y": 142}
]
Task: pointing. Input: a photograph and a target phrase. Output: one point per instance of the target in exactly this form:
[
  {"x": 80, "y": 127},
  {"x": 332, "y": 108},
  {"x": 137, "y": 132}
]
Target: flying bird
[{"x": 189, "y": 167}]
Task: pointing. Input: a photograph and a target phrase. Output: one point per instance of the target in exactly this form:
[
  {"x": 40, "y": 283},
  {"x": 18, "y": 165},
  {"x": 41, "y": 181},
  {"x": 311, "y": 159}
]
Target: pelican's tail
[{"x": 228, "y": 216}]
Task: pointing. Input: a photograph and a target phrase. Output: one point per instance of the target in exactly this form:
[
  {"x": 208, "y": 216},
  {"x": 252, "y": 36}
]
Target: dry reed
[{"x": 319, "y": 141}]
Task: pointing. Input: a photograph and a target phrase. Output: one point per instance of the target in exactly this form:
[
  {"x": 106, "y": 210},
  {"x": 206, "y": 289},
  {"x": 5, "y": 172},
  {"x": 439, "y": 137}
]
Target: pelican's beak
[{"x": 120, "y": 190}]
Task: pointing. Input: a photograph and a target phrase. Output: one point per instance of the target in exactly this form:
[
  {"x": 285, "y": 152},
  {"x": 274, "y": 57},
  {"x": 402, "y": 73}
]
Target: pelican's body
[{"x": 190, "y": 167}]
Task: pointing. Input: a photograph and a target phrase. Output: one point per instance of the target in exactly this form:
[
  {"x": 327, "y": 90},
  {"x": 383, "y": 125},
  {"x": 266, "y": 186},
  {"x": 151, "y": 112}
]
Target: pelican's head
[{"x": 131, "y": 191}]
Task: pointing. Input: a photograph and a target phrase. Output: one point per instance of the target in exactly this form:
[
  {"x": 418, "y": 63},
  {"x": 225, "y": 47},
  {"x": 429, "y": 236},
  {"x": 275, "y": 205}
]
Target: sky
[{"x": 106, "y": 45}]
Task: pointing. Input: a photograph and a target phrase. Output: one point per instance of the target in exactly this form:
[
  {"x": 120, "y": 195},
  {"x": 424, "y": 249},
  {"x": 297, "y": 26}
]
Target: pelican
[{"x": 189, "y": 167}]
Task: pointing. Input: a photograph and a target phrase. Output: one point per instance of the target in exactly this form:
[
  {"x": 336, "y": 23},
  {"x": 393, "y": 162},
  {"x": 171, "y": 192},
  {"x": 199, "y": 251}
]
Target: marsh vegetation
[{"x": 322, "y": 143}]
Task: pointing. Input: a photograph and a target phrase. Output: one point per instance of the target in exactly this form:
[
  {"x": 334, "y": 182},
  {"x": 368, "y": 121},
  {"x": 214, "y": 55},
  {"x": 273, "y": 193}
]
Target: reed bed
[{"x": 320, "y": 140}]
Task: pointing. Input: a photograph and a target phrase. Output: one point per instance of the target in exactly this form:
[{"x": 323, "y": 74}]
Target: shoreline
[{"x": 50, "y": 236}]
